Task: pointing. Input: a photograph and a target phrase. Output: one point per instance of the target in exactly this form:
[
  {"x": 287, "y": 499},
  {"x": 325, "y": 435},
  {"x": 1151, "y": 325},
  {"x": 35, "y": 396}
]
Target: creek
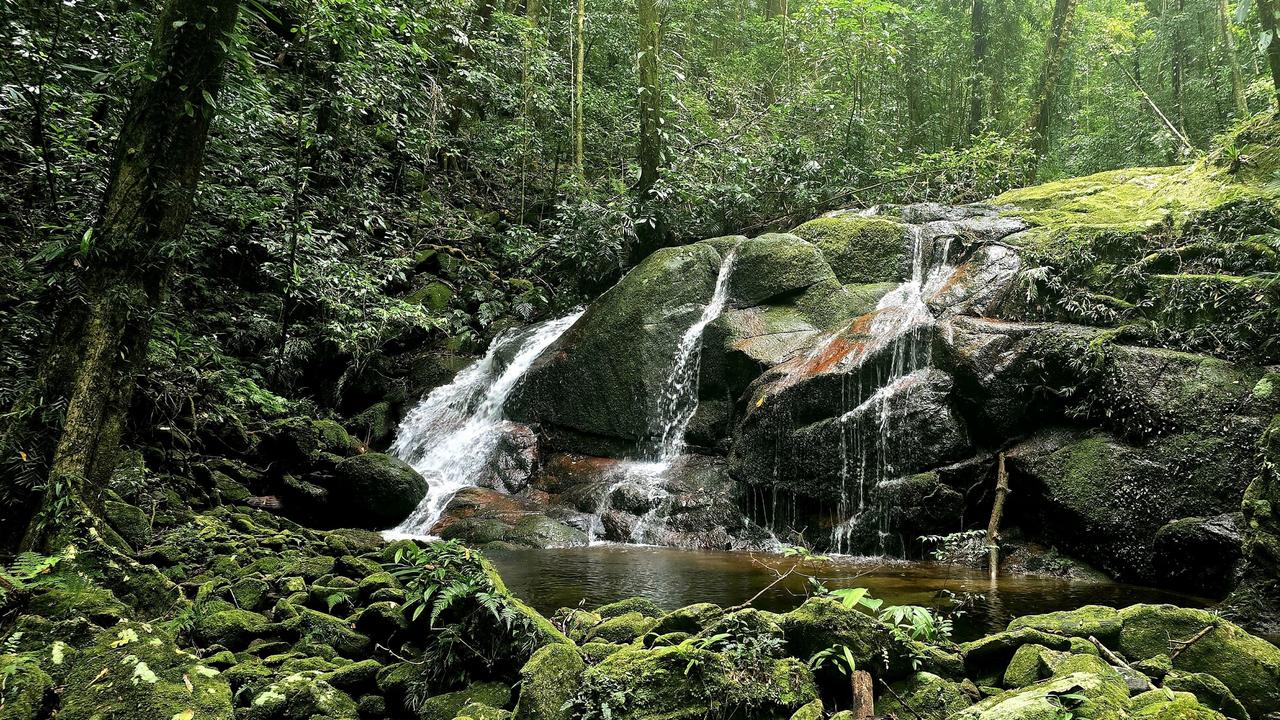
[{"x": 672, "y": 578}]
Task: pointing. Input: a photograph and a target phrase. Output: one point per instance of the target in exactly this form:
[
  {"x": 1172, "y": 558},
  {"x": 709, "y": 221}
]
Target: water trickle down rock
[
  {"x": 894, "y": 416},
  {"x": 643, "y": 479},
  {"x": 454, "y": 434}
]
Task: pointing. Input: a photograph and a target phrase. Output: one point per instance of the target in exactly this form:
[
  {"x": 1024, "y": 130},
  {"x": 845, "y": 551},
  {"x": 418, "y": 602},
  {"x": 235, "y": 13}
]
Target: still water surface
[{"x": 549, "y": 579}]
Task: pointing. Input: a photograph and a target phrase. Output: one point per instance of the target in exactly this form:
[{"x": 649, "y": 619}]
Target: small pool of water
[{"x": 593, "y": 576}]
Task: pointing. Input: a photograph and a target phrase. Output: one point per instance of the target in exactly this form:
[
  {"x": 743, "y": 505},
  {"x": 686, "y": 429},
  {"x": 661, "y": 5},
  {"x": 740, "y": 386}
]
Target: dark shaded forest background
[{"x": 382, "y": 175}]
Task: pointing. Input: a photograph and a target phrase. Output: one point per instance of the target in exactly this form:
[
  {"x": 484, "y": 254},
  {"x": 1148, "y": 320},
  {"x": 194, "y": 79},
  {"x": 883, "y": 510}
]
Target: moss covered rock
[
  {"x": 1105, "y": 697},
  {"x": 300, "y": 696},
  {"x": 925, "y": 696},
  {"x": 644, "y": 606},
  {"x": 27, "y": 689},
  {"x": 374, "y": 491},
  {"x": 821, "y": 623},
  {"x": 1099, "y": 621},
  {"x": 449, "y": 705},
  {"x": 687, "y": 683},
  {"x": 621, "y": 629},
  {"x": 232, "y": 628},
  {"x": 548, "y": 682},
  {"x": 133, "y": 671},
  {"x": 859, "y": 249},
  {"x": 1249, "y": 666}
]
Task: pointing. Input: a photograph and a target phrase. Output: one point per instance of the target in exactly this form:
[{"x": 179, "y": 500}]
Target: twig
[
  {"x": 898, "y": 697},
  {"x": 1108, "y": 655},
  {"x": 1179, "y": 645}
]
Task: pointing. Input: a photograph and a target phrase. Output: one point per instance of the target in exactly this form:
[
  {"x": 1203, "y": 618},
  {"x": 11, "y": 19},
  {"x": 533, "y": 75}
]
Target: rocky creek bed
[{"x": 240, "y": 614}]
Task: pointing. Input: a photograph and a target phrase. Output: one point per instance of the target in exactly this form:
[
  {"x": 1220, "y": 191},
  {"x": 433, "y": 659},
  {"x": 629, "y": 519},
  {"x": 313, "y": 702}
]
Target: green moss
[
  {"x": 822, "y": 622},
  {"x": 312, "y": 625},
  {"x": 689, "y": 619},
  {"x": 26, "y": 690},
  {"x": 1249, "y": 666},
  {"x": 644, "y": 606},
  {"x": 684, "y": 682},
  {"x": 1030, "y": 664},
  {"x": 448, "y": 705},
  {"x": 775, "y": 265},
  {"x": 859, "y": 249},
  {"x": 809, "y": 711},
  {"x": 924, "y": 696},
  {"x": 146, "y": 678},
  {"x": 97, "y": 604},
  {"x": 1097, "y": 620},
  {"x": 1106, "y": 697},
  {"x": 478, "y": 711},
  {"x": 1167, "y": 705},
  {"x": 547, "y": 683},
  {"x": 434, "y": 295},
  {"x": 130, "y": 521},
  {"x": 232, "y": 628},
  {"x": 1209, "y": 690},
  {"x": 622, "y": 628},
  {"x": 300, "y": 696}
]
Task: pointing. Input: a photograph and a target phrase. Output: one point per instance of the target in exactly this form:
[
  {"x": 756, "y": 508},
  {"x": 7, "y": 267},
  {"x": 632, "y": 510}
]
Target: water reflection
[{"x": 549, "y": 579}]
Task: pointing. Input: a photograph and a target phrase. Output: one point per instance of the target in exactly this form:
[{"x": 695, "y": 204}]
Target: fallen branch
[
  {"x": 997, "y": 513},
  {"x": 1177, "y": 646},
  {"x": 900, "y": 700},
  {"x": 1107, "y": 655}
]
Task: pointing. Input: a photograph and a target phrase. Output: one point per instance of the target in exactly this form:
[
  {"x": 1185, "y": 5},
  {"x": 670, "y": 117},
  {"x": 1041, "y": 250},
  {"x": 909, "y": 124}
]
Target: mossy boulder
[
  {"x": 312, "y": 625},
  {"x": 134, "y": 671},
  {"x": 1104, "y": 693},
  {"x": 300, "y": 696},
  {"x": 231, "y": 628},
  {"x": 687, "y": 683},
  {"x": 97, "y": 604},
  {"x": 621, "y": 629},
  {"x": 821, "y": 623},
  {"x": 859, "y": 249},
  {"x": 1249, "y": 666},
  {"x": 1209, "y": 690},
  {"x": 690, "y": 619},
  {"x": 644, "y": 606},
  {"x": 130, "y": 521},
  {"x": 306, "y": 442},
  {"x": 448, "y": 705},
  {"x": 374, "y": 491},
  {"x": 601, "y": 376},
  {"x": 1030, "y": 664},
  {"x": 548, "y": 682},
  {"x": 810, "y": 711},
  {"x": 992, "y": 652},
  {"x": 924, "y": 696},
  {"x": 773, "y": 265},
  {"x": 1167, "y": 705},
  {"x": 1099, "y": 621}
]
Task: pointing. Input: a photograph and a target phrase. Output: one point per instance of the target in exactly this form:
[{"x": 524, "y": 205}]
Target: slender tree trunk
[
  {"x": 1233, "y": 60},
  {"x": 1055, "y": 48},
  {"x": 150, "y": 191},
  {"x": 649, "y": 230},
  {"x": 978, "y": 27},
  {"x": 1178, "y": 64},
  {"x": 579, "y": 62},
  {"x": 1267, "y": 16}
]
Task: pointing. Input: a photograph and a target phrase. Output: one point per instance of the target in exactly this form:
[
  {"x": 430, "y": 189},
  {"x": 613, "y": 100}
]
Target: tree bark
[
  {"x": 649, "y": 229},
  {"x": 1267, "y": 16},
  {"x": 580, "y": 60},
  {"x": 997, "y": 513},
  {"x": 155, "y": 168},
  {"x": 1233, "y": 59},
  {"x": 978, "y": 28},
  {"x": 1055, "y": 48}
]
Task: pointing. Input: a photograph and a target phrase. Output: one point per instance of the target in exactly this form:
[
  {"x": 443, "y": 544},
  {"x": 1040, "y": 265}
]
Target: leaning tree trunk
[
  {"x": 1055, "y": 48},
  {"x": 102, "y": 338}
]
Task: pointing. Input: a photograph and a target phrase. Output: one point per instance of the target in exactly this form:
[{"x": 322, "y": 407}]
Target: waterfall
[
  {"x": 894, "y": 359},
  {"x": 670, "y": 420},
  {"x": 679, "y": 399},
  {"x": 451, "y": 436}
]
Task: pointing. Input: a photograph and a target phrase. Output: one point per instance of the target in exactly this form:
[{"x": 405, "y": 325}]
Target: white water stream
[
  {"x": 902, "y": 330},
  {"x": 452, "y": 435},
  {"x": 669, "y": 423}
]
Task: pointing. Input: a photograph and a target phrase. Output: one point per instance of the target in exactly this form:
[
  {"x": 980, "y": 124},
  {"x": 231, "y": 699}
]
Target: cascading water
[
  {"x": 452, "y": 435},
  {"x": 670, "y": 420},
  {"x": 893, "y": 360}
]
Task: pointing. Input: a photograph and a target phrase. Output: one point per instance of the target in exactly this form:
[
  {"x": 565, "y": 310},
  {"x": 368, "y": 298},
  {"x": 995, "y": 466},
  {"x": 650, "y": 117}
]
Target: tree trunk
[
  {"x": 1055, "y": 48},
  {"x": 649, "y": 230},
  {"x": 978, "y": 26},
  {"x": 1267, "y": 16},
  {"x": 579, "y": 62},
  {"x": 1233, "y": 60},
  {"x": 1178, "y": 65},
  {"x": 148, "y": 199}
]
